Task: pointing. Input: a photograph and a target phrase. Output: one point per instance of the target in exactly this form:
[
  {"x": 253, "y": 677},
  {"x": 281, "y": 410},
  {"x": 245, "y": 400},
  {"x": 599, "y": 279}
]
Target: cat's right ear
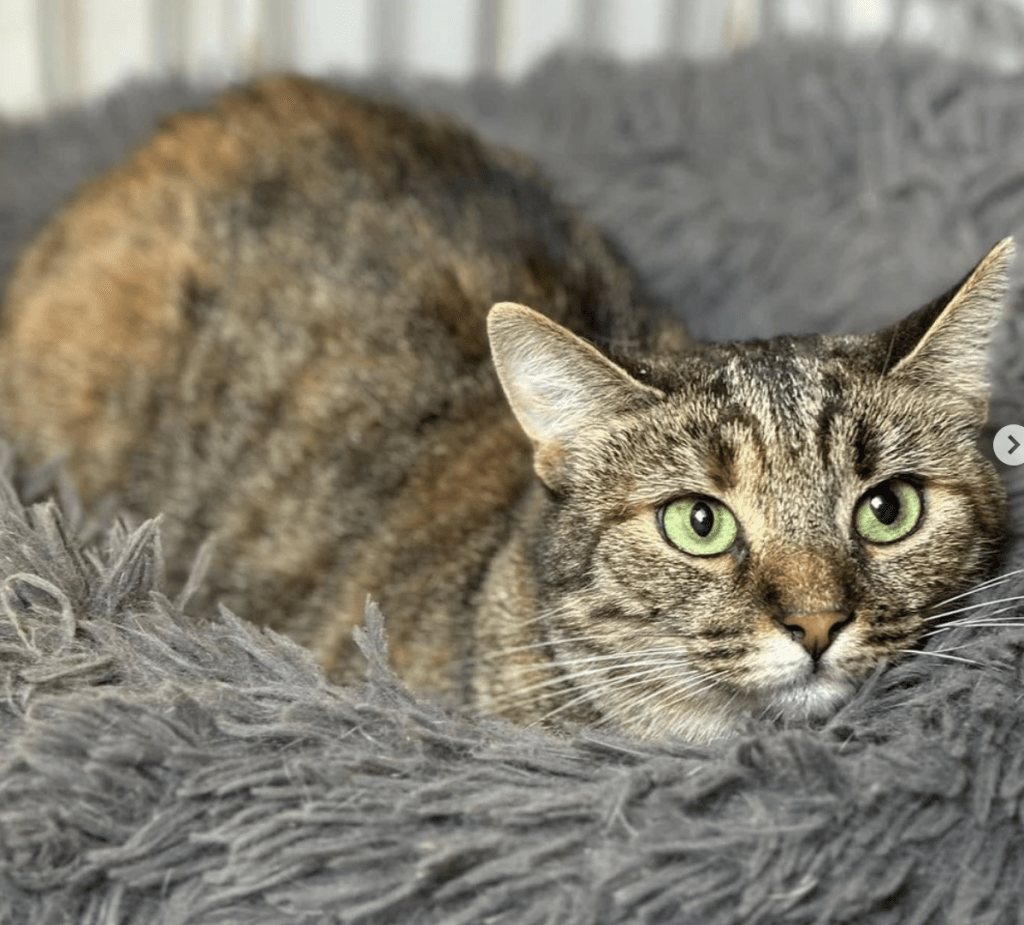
[
  {"x": 559, "y": 386},
  {"x": 944, "y": 345}
]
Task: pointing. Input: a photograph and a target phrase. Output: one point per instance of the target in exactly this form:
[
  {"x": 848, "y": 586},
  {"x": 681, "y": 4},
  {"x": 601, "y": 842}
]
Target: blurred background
[{"x": 55, "y": 53}]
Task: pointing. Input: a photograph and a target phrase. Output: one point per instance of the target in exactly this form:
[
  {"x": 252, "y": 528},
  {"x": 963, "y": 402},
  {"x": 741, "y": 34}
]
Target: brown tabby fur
[{"x": 270, "y": 325}]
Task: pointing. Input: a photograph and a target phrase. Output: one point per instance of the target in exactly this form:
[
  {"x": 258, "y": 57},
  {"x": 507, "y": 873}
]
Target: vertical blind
[{"x": 61, "y": 52}]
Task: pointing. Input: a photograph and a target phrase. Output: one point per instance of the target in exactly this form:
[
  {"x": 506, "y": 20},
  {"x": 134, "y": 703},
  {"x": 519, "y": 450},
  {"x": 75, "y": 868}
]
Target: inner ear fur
[{"x": 559, "y": 386}]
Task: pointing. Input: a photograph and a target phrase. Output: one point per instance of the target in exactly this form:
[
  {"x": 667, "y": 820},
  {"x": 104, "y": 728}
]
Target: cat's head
[{"x": 753, "y": 527}]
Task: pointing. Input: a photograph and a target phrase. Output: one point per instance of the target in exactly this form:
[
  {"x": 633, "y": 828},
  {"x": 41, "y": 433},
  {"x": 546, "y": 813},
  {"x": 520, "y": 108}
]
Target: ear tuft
[{"x": 558, "y": 385}]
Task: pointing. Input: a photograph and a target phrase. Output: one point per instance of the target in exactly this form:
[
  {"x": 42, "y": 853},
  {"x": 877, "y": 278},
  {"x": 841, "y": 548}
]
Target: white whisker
[
  {"x": 569, "y": 674},
  {"x": 951, "y": 613},
  {"x": 985, "y": 585},
  {"x": 681, "y": 689},
  {"x": 971, "y": 619},
  {"x": 946, "y": 655},
  {"x": 621, "y": 653},
  {"x": 956, "y": 648},
  {"x": 641, "y": 674},
  {"x": 987, "y": 623}
]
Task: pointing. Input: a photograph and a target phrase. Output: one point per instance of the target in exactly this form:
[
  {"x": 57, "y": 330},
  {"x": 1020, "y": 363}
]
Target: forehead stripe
[
  {"x": 826, "y": 416},
  {"x": 721, "y": 464},
  {"x": 866, "y": 451}
]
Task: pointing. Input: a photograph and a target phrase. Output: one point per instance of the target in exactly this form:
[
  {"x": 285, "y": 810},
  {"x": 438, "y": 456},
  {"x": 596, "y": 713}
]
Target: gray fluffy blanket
[{"x": 156, "y": 768}]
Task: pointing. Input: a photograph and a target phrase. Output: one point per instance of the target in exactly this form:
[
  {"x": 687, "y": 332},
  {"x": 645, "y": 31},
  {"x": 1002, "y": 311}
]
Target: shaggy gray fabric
[{"x": 160, "y": 769}]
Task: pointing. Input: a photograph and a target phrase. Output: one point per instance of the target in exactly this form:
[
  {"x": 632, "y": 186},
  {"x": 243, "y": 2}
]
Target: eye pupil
[
  {"x": 885, "y": 506},
  {"x": 702, "y": 519}
]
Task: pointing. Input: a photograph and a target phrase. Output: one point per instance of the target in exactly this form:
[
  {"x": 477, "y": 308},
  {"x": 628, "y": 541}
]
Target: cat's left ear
[
  {"x": 560, "y": 387},
  {"x": 945, "y": 344}
]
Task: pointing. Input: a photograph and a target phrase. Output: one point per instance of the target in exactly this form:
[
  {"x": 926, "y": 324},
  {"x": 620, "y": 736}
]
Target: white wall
[{"x": 62, "y": 51}]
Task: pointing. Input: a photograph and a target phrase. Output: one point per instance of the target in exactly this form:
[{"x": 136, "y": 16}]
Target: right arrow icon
[{"x": 1007, "y": 441}]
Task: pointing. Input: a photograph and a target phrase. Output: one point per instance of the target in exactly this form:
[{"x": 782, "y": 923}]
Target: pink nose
[{"x": 815, "y": 630}]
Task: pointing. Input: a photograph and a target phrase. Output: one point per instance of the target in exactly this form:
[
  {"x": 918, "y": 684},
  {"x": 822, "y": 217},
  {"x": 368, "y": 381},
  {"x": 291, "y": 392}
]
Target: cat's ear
[
  {"x": 945, "y": 343},
  {"x": 559, "y": 386}
]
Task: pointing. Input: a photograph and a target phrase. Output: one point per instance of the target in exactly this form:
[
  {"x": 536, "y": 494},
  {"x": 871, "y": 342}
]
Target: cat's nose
[{"x": 815, "y": 630}]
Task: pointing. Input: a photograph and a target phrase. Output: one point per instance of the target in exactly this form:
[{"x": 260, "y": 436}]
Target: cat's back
[{"x": 270, "y": 325}]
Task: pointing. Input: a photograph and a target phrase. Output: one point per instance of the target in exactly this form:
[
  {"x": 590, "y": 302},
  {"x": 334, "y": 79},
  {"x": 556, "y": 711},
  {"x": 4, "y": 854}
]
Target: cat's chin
[{"x": 816, "y": 697}]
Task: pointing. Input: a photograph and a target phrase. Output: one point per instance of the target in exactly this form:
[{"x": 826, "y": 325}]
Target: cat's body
[{"x": 270, "y": 326}]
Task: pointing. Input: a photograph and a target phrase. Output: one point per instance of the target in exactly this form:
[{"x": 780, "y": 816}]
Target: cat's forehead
[
  {"x": 786, "y": 382},
  {"x": 790, "y": 406},
  {"x": 779, "y": 378}
]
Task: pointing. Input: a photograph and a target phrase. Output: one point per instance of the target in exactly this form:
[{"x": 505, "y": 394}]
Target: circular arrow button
[{"x": 1008, "y": 444}]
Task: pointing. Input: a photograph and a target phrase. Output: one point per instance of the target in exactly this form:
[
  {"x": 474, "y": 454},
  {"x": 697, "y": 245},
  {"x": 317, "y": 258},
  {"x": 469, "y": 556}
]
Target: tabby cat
[{"x": 272, "y": 325}]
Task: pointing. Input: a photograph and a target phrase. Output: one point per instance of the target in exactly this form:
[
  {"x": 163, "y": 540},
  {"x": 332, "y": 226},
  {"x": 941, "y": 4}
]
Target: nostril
[{"x": 815, "y": 630}]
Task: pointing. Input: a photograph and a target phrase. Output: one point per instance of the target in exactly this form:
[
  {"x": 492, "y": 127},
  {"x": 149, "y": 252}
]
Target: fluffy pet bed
[{"x": 159, "y": 768}]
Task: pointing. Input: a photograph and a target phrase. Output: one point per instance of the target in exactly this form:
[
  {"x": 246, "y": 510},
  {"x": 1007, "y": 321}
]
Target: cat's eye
[
  {"x": 699, "y": 526},
  {"x": 889, "y": 511}
]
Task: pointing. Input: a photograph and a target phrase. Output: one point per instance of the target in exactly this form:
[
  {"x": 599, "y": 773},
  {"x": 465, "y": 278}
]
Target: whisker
[
  {"x": 560, "y": 610},
  {"x": 985, "y": 585},
  {"x": 971, "y": 618},
  {"x": 992, "y": 663},
  {"x": 520, "y": 693},
  {"x": 663, "y": 655},
  {"x": 681, "y": 688},
  {"x": 978, "y": 606},
  {"x": 956, "y": 648},
  {"x": 641, "y": 673},
  {"x": 964, "y": 624},
  {"x": 946, "y": 655},
  {"x": 503, "y": 654},
  {"x": 622, "y": 683},
  {"x": 567, "y": 674}
]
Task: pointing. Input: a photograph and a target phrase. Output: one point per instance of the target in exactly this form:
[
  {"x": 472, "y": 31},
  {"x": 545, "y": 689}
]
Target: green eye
[
  {"x": 699, "y": 526},
  {"x": 888, "y": 512}
]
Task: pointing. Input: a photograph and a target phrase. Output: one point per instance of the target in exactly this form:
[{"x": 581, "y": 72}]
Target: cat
[{"x": 274, "y": 325}]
